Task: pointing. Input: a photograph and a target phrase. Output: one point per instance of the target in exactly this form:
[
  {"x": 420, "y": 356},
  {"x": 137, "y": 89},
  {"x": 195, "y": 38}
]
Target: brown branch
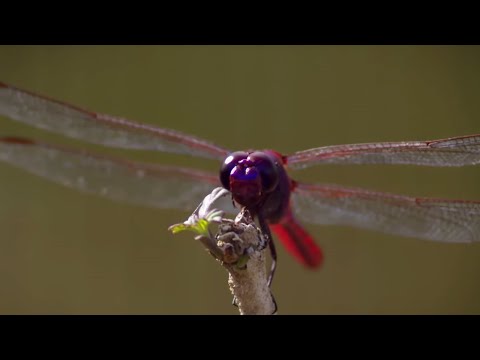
[{"x": 239, "y": 247}]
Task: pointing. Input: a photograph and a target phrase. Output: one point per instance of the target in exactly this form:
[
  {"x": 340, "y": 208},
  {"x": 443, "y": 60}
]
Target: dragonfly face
[{"x": 257, "y": 179}]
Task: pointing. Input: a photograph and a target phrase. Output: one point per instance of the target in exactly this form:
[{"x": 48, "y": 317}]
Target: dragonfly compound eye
[
  {"x": 268, "y": 169},
  {"x": 230, "y": 162}
]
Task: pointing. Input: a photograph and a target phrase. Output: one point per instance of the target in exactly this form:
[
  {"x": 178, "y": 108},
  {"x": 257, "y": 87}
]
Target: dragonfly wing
[
  {"x": 457, "y": 151},
  {"x": 68, "y": 120},
  {"x": 151, "y": 185},
  {"x": 426, "y": 218}
]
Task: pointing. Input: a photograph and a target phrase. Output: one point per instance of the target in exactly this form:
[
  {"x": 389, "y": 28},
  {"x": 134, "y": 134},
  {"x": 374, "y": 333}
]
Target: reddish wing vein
[
  {"x": 55, "y": 116},
  {"x": 457, "y": 151},
  {"x": 145, "y": 184},
  {"x": 427, "y": 218}
]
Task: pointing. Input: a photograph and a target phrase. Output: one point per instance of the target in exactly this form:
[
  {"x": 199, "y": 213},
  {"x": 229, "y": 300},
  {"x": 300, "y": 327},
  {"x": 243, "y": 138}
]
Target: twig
[{"x": 239, "y": 246}]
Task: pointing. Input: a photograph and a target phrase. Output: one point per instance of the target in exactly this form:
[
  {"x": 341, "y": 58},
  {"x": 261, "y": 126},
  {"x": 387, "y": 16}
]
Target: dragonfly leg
[{"x": 273, "y": 252}]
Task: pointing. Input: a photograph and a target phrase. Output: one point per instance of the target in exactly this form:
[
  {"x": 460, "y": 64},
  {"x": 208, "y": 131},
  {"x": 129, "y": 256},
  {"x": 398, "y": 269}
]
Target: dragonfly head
[{"x": 249, "y": 176}]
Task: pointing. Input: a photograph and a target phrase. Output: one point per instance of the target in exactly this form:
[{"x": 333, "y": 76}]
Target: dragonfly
[{"x": 258, "y": 180}]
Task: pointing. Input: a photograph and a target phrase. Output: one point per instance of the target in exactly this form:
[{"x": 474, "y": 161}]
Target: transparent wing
[
  {"x": 114, "y": 178},
  {"x": 457, "y": 151},
  {"x": 431, "y": 219},
  {"x": 55, "y": 116}
]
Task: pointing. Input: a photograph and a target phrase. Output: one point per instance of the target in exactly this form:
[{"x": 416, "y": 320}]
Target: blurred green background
[{"x": 66, "y": 252}]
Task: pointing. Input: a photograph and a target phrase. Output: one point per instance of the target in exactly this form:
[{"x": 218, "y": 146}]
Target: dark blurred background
[{"x": 66, "y": 252}]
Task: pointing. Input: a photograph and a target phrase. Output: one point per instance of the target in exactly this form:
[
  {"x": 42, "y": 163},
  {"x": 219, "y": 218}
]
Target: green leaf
[{"x": 200, "y": 227}]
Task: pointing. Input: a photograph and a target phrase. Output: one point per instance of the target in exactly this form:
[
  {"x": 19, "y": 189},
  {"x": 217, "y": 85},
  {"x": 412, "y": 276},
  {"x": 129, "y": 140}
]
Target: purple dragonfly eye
[
  {"x": 230, "y": 162},
  {"x": 242, "y": 166},
  {"x": 267, "y": 168}
]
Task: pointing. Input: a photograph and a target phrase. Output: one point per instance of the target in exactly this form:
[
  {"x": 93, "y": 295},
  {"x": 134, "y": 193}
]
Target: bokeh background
[{"x": 64, "y": 252}]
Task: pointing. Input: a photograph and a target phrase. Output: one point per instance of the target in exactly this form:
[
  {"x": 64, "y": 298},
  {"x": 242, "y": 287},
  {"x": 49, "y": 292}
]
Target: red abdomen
[{"x": 297, "y": 241}]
